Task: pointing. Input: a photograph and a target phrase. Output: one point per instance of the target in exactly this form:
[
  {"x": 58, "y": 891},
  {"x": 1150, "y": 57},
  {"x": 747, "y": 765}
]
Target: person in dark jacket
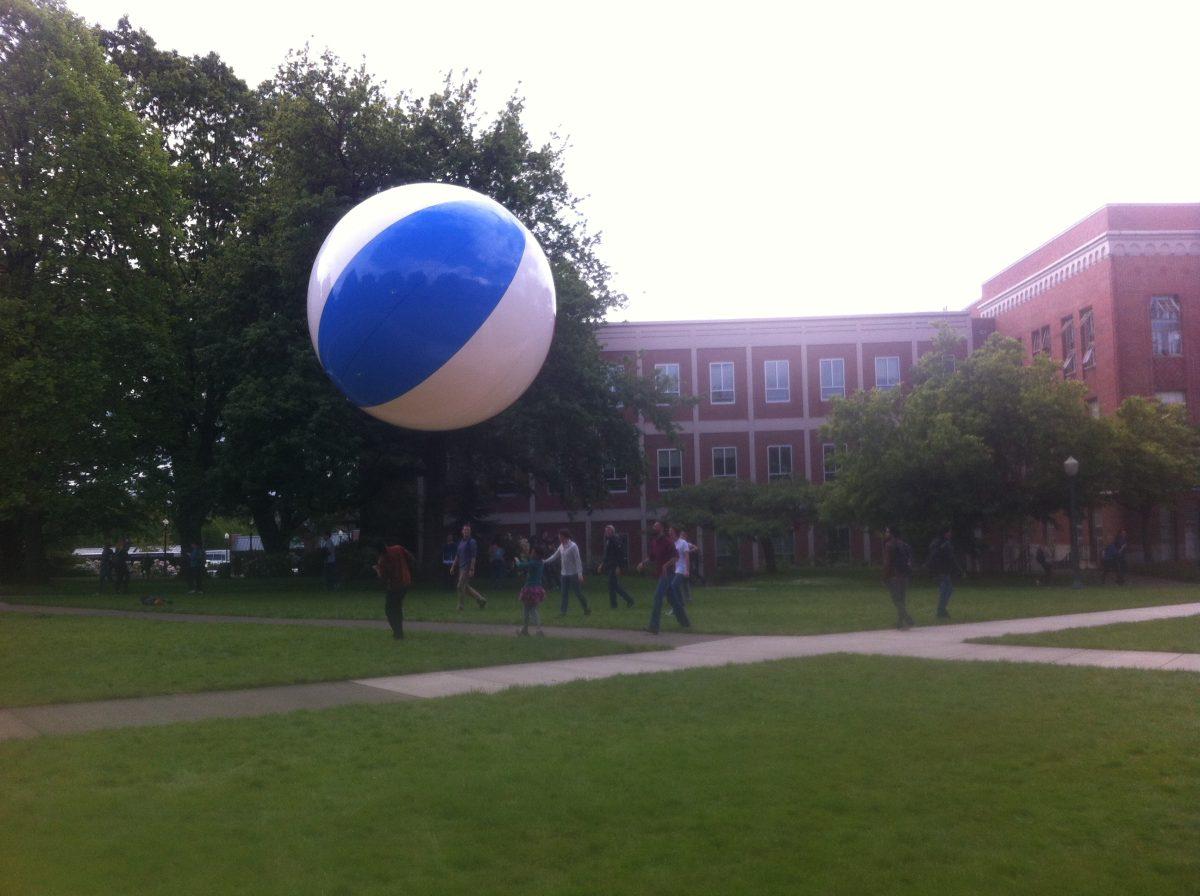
[
  {"x": 106, "y": 566},
  {"x": 614, "y": 559},
  {"x": 897, "y": 568},
  {"x": 943, "y": 565},
  {"x": 120, "y": 563}
]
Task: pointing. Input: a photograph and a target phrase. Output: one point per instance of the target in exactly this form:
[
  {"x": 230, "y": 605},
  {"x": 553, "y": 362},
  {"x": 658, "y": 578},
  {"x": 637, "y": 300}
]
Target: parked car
[{"x": 216, "y": 561}]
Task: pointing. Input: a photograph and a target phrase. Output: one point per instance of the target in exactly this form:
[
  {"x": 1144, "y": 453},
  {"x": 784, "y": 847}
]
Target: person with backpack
[
  {"x": 943, "y": 566},
  {"x": 897, "y": 569},
  {"x": 393, "y": 570}
]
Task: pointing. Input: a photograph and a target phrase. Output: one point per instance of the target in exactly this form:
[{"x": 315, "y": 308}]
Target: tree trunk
[
  {"x": 31, "y": 538},
  {"x": 433, "y": 512},
  {"x": 262, "y": 510}
]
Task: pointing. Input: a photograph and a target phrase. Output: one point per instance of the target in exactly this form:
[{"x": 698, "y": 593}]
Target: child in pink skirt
[{"x": 533, "y": 593}]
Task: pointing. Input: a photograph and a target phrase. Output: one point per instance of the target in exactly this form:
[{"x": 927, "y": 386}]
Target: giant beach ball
[{"x": 431, "y": 307}]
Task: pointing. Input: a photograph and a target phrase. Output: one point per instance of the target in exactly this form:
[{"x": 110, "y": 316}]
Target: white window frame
[
  {"x": 610, "y": 477},
  {"x": 831, "y": 391},
  {"x": 727, "y": 394},
  {"x": 779, "y": 452},
  {"x": 777, "y": 394},
  {"x": 887, "y": 384},
  {"x": 828, "y": 468},
  {"x": 728, "y": 455},
  {"x": 1170, "y": 339},
  {"x": 667, "y": 372},
  {"x": 669, "y": 452}
]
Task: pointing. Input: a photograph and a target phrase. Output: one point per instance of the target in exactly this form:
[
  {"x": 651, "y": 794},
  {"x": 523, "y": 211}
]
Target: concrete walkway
[{"x": 945, "y": 642}]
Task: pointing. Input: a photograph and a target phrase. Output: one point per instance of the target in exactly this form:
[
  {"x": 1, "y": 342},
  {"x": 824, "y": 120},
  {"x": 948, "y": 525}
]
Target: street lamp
[
  {"x": 1071, "y": 468},
  {"x": 166, "y": 524}
]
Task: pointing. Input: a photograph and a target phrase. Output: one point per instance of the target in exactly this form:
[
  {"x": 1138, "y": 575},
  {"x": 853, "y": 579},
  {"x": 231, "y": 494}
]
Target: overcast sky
[{"x": 758, "y": 159}]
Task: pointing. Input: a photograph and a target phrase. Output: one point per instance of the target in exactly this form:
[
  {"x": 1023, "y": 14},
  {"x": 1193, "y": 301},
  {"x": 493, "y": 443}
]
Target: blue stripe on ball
[{"x": 414, "y": 295}]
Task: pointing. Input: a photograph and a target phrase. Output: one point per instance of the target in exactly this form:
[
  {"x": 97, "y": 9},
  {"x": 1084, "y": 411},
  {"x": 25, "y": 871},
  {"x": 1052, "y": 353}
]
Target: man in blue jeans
[
  {"x": 572, "y": 571},
  {"x": 671, "y": 562}
]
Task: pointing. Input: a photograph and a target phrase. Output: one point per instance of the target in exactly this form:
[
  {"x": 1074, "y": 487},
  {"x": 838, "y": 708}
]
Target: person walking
[
  {"x": 121, "y": 567},
  {"x": 106, "y": 566},
  {"x": 663, "y": 560},
  {"x": 394, "y": 570},
  {"x": 1043, "y": 560},
  {"x": 449, "y": 552},
  {"x": 532, "y": 592},
  {"x": 571, "y": 575},
  {"x": 196, "y": 563},
  {"x": 464, "y": 562},
  {"x": 329, "y": 567},
  {"x": 897, "y": 567},
  {"x": 1121, "y": 544},
  {"x": 614, "y": 559},
  {"x": 943, "y": 565}
]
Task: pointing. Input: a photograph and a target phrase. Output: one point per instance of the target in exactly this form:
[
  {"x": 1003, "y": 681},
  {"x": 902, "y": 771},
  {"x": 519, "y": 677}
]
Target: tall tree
[
  {"x": 976, "y": 441},
  {"x": 209, "y": 120},
  {"x": 744, "y": 511},
  {"x": 1157, "y": 457},
  {"x": 88, "y": 205}
]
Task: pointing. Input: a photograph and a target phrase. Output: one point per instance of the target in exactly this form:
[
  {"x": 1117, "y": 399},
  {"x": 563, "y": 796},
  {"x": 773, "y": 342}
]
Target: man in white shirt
[
  {"x": 683, "y": 553},
  {"x": 572, "y": 571}
]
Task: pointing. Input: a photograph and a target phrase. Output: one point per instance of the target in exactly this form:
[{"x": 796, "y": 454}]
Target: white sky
[{"x": 759, "y": 159}]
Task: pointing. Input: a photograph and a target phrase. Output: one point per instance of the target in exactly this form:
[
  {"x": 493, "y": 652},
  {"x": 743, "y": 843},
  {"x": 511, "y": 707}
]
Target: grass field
[
  {"x": 64, "y": 659},
  {"x": 1167, "y": 635},
  {"x": 835, "y": 775},
  {"x": 803, "y": 602}
]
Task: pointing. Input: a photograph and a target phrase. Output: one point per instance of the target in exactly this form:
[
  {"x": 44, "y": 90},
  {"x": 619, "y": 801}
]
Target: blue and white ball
[{"x": 431, "y": 306}]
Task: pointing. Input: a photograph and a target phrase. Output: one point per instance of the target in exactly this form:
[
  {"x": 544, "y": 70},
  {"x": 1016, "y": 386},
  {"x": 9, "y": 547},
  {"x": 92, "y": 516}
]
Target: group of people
[
  {"x": 115, "y": 566},
  {"x": 941, "y": 563},
  {"x": 670, "y": 559}
]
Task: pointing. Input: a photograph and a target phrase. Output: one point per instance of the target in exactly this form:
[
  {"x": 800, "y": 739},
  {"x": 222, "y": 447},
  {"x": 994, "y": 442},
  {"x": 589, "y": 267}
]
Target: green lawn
[
  {"x": 833, "y": 775},
  {"x": 802, "y": 602},
  {"x": 64, "y": 659},
  {"x": 1167, "y": 635}
]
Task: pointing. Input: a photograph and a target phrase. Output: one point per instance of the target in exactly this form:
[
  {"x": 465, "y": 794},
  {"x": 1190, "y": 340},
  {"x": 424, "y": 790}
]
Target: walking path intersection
[{"x": 690, "y": 651}]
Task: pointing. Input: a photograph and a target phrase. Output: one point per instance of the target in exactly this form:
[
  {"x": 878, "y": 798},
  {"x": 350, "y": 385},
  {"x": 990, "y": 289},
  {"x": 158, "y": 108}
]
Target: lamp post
[
  {"x": 166, "y": 525},
  {"x": 1071, "y": 468}
]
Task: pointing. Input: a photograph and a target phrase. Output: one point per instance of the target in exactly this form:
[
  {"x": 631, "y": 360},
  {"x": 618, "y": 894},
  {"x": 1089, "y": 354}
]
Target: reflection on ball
[{"x": 431, "y": 306}]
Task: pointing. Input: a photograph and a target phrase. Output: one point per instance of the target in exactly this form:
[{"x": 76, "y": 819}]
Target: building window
[
  {"x": 1093, "y": 406},
  {"x": 1039, "y": 340},
  {"x": 720, "y": 382},
  {"x": 668, "y": 378},
  {"x": 1087, "y": 339},
  {"x": 779, "y": 384},
  {"x": 833, "y": 378},
  {"x": 1171, "y": 397},
  {"x": 1165, "y": 330},
  {"x": 785, "y": 548},
  {"x": 887, "y": 372},
  {"x": 1068, "y": 346},
  {"x": 616, "y": 375},
  {"x": 837, "y": 540},
  {"x": 727, "y": 551},
  {"x": 779, "y": 462},
  {"x": 724, "y": 461},
  {"x": 670, "y": 468},
  {"x": 615, "y": 482},
  {"x": 829, "y": 462}
]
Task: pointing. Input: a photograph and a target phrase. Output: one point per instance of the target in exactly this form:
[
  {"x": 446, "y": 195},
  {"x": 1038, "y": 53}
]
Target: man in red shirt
[{"x": 392, "y": 567}]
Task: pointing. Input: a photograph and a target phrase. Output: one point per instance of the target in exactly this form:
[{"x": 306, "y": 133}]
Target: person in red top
[
  {"x": 392, "y": 567},
  {"x": 661, "y": 559}
]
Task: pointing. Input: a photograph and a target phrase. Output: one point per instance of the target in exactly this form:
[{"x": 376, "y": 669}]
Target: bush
[{"x": 263, "y": 566}]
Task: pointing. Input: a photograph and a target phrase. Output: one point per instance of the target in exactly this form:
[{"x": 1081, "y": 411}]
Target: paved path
[{"x": 945, "y": 642}]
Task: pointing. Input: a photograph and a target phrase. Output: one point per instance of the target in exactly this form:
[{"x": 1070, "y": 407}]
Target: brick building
[
  {"x": 1115, "y": 301},
  {"x": 765, "y": 388}
]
